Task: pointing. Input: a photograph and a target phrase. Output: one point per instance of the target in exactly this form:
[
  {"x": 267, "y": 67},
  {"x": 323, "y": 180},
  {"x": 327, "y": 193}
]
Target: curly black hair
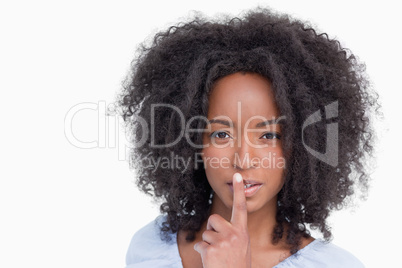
[{"x": 308, "y": 72}]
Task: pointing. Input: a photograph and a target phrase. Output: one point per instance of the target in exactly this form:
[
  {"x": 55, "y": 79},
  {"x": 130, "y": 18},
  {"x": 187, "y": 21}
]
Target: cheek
[
  {"x": 209, "y": 156},
  {"x": 273, "y": 166},
  {"x": 277, "y": 169},
  {"x": 279, "y": 161},
  {"x": 217, "y": 163},
  {"x": 270, "y": 158}
]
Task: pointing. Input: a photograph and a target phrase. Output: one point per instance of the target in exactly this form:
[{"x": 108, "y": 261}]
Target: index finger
[{"x": 239, "y": 210}]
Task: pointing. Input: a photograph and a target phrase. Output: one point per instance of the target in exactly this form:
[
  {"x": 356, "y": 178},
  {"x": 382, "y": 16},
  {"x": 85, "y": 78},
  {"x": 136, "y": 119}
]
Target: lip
[
  {"x": 247, "y": 182},
  {"x": 249, "y": 192}
]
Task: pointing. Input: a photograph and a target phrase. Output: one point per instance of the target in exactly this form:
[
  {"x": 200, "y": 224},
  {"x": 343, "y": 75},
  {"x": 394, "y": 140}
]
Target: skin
[{"x": 236, "y": 145}]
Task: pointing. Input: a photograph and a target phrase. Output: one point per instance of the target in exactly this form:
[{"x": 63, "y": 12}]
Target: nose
[{"x": 244, "y": 154}]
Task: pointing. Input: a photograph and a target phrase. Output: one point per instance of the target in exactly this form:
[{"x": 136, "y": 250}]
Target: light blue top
[{"x": 147, "y": 249}]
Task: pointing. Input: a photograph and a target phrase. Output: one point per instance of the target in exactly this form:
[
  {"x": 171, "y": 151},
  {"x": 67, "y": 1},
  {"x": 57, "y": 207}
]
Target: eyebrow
[
  {"x": 268, "y": 122},
  {"x": 227, "y": 123},
  {"x": 219, "y": 121}
]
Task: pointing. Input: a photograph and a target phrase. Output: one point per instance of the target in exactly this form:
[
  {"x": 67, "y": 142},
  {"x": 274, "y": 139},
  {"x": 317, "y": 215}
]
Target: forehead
[{"x": 242, "y": 95}]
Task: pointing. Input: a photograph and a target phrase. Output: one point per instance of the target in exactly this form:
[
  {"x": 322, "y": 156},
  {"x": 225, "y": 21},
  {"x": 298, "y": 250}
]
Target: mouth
[{"x": 250, "y": 187}]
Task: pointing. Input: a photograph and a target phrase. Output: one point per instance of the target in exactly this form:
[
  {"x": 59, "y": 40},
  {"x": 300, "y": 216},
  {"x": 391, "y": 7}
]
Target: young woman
[{"x": 249, "y": 130}]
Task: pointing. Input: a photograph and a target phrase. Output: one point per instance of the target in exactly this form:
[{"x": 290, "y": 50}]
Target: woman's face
[{"x": 243, "y": 135}]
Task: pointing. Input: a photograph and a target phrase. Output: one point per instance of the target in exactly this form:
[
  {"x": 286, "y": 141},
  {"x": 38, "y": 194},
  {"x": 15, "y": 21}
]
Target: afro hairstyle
[{"x": 307, "y": 70}]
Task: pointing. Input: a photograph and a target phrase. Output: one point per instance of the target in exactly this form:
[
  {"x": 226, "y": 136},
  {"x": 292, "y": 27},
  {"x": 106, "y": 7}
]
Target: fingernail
[{"x": 238, "y": 178}]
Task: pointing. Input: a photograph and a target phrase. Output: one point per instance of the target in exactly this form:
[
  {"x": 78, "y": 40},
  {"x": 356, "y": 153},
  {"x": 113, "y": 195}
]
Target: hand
[{"x": 227, "y": 244}]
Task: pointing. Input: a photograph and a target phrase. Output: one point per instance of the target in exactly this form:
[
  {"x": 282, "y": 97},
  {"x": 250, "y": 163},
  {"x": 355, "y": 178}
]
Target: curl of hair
[{"x": 307, "y": 70}]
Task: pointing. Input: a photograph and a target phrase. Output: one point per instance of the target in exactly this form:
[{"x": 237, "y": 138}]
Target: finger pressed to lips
[
  {"x": 251, "y": 187},
  {"x": 239, "y": 210}
]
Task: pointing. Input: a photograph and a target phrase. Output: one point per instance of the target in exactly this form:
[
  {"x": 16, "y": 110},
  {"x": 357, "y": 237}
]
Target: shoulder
[
  {"x": 148, "y": 249},
  {"x": 322, "y": 254}
]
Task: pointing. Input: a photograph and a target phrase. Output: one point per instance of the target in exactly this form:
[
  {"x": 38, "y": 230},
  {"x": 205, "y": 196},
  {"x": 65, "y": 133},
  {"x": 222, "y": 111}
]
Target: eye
[
  {"x": 220, "y": 135},
  {"x": 271, "y": 136}
]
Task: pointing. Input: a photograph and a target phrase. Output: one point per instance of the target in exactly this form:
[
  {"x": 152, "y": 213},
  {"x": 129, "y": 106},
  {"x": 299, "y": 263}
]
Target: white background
[{"x": 66, "y": 206}]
